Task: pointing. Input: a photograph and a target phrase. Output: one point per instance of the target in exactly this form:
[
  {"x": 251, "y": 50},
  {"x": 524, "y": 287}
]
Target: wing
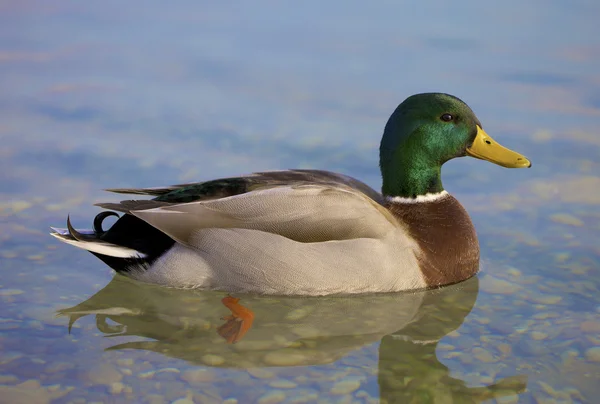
[
  {"x": 301, "y": 212},
  {"x": 225, "y": 187}
]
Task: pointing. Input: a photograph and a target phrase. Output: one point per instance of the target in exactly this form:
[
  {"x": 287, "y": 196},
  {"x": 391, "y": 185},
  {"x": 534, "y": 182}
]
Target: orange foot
[{"x": 238, "y": 323}]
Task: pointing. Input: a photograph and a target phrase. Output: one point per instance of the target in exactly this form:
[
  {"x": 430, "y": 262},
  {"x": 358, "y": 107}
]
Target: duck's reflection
[
  {"x": 282, "y": 331},
  {"x": 409, "y": 371}
]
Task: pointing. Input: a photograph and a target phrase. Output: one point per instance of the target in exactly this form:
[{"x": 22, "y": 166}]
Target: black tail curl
[
  {"x": 99, "y": 219},
  {"x": 98, "y": 230},
  {"x": 127, "y": 232}
]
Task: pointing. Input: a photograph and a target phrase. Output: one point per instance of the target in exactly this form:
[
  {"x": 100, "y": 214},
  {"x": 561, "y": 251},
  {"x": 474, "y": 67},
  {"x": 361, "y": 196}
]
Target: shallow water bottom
[{"x": 507, "y": 335}]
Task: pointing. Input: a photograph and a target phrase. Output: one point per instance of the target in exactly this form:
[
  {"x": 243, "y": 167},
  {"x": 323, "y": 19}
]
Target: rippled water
[{"x": 140, "y": 94}]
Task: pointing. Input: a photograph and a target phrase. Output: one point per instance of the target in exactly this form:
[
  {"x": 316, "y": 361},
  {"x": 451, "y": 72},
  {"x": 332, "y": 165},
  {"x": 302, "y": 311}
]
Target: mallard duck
[{"x": 311, "y": 232}]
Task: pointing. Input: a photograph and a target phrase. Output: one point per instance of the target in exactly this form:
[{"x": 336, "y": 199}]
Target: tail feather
[
  {"x": 88, "y": 240},
  {"x": 130, "y": 243},
  {"x": 65, "y": 232}
]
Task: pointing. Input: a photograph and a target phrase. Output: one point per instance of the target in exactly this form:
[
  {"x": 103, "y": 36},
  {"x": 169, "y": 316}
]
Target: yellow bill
[{"x": 486, "y": 148}]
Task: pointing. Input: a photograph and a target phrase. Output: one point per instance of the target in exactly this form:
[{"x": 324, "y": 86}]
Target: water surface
[{"x": 112, "y": 95}]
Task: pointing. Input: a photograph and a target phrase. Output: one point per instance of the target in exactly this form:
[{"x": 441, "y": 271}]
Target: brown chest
[{"x": 446, "y": 237}]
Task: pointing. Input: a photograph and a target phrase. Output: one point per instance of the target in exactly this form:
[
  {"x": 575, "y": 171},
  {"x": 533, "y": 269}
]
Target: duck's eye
[{"x": 446, "y": 117}]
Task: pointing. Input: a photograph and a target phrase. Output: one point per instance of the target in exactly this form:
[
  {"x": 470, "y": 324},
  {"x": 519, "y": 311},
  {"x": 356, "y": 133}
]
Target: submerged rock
[
  {"x": 593, "y": 354},
  {"x": 105, "y": 374},
  {"x": 31, "y": 392},
  {"x": 490, "y": 284}
]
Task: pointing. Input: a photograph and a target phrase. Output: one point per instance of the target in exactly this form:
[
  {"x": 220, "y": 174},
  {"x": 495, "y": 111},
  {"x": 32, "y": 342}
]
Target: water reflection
[{"x": 208, "y": 328}]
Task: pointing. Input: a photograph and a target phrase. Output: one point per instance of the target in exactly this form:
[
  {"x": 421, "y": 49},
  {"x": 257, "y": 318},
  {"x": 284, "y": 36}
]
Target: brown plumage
[{"x": 446, "y": 237}]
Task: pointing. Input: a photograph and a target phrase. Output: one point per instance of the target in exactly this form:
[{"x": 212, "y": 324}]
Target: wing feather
[
  {"x": 305, "y": 213},
  {"x": 146, "y": 191},
  {"x": 129, "y": 205},
  {"x": 225, "y": 187}
]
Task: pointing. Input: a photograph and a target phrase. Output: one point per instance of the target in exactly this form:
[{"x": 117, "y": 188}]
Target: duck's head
[{"x": 424, "y": 132}]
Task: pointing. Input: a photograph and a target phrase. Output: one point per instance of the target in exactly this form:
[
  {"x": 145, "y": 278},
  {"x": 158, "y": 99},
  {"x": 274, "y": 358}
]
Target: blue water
[{"x": 114, "y": 94}]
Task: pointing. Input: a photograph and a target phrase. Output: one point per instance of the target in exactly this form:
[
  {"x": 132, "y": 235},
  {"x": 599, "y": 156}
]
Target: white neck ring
[{"x": 430, "y": 197}]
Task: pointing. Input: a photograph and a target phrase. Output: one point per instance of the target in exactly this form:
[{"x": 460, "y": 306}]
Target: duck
[{"x": 309, "y": 232}]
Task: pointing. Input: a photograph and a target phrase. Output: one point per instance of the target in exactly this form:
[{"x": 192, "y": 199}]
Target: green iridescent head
[{"x": 424, "y": 132}]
